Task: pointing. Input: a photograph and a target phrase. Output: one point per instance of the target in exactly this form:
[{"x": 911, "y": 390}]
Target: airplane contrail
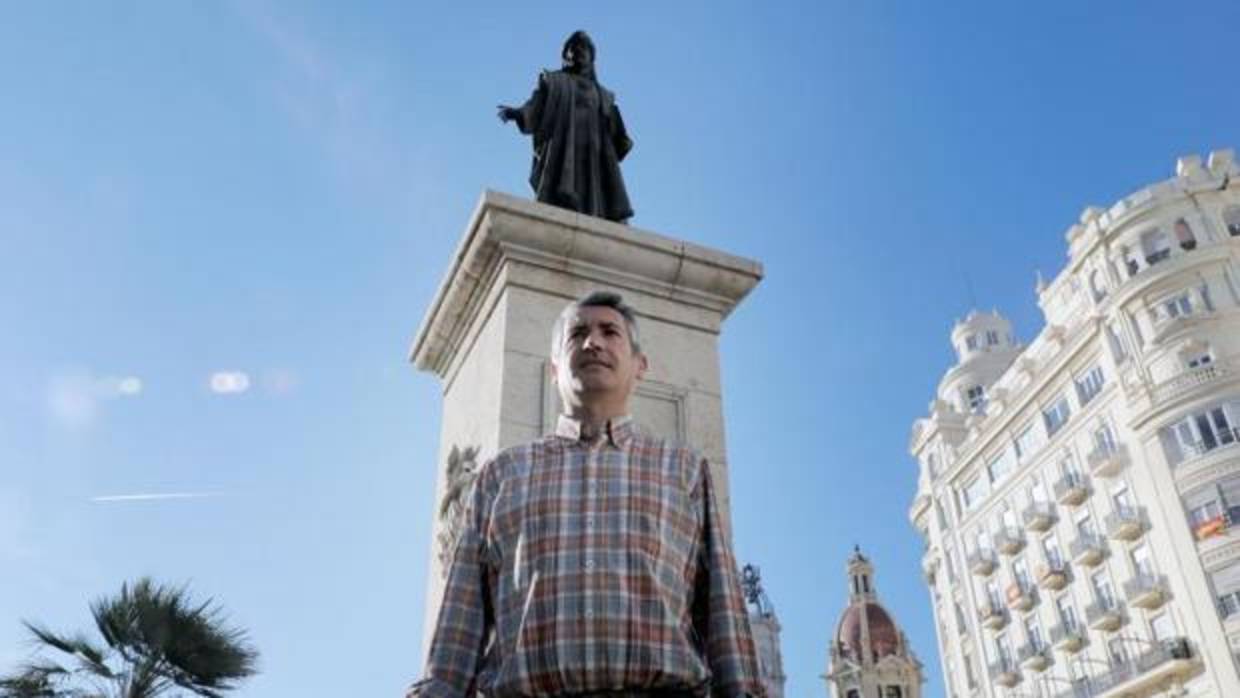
[{"x": 152, "y": 496}]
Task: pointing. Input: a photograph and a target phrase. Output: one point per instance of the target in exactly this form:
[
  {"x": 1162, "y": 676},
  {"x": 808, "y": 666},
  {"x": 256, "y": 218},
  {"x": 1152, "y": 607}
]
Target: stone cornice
[{"x": 504, "y": 227}]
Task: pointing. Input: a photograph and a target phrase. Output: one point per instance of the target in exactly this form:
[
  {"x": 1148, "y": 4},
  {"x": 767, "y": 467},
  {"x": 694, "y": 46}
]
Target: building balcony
[
  {"x": 1033, "y": 657},
  {"x": 1071, "y": 489},
  {"x": 1052, "y": 576},
  {"x": 1167, "y": 663},
  {"x": 1105, "y": 615},
  {"x": 1009, "y": 540},
  {"x": 1210, "y": 528},
  {"x": 991, "y": 615},
  {"x": 1067, "y": 638},
  {"x": 1148, "y": 591},
  {"x": 1021, "y": 597},
  {"x": 1186, "y": 381},
  {"x": 1126, "y": 523},
  {"x": 1087, "y": 550},
  {"x": 1039, "y": 516},
  {"x": 1004, "y": 673},
  {"x": 1107, "y": 461},
  {"x": 982, "y": 562}
]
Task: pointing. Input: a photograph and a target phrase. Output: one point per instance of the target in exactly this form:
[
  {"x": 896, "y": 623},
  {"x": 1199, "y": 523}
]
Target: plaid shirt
[{"x": 592, "y": 566}]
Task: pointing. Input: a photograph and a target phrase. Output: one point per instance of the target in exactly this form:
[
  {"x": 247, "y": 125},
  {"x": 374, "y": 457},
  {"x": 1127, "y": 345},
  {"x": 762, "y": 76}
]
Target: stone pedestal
[{"x": 487, "y": 333}]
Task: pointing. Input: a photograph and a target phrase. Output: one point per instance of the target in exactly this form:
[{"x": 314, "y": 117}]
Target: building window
[
  {"x": 1116, "y": 653},
  {"x": 893, "y": 692},
  {"x": 975, "y": 398},
  {"x": 992, "y": 338},
  {"x": 1231, "y": 219},
  {"x": 1200, "y": 360},
  {"x": 1020, "y": 575},
  {"x": 1056, "y": 415},
  {"x": 1155, "y": 246},
  {"x": 1226, "y": 583},
  {"x": 1118, "y": 350},
  {"x": 1104, "y": 439},
  {"x": 1162, "y": 627},
  {"x": 1096, "y": 285},
  {"x": 971, "y": 342},
  {"x": 1104, "y": 593},
  {"x": 1141, "y": 562},
  {"x": 1085, "y": 525},
  {"x": 970, "y": 674},
  {"x": 1067, "y": 612},
  {"x": 1179, "y": 305},
  {"x": 1121, "y": 498},
  {"x": 1033, "y": 632},
  {"x": 1028, "y": 442},
  {"x": 1090, "y": 384},
  {"x": 1050, "y": 548},
  {"x": 1184, "y": 235},
  {"x": 1002, "y": 466},
  {"x": 1199, "y": 433},
  {"x": 975, "y": 492},
  {"x": 1130, "y": 262}
]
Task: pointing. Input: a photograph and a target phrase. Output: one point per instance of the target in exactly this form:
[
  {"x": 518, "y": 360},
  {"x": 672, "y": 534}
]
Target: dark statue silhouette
[{"x": 579, "y": 137}]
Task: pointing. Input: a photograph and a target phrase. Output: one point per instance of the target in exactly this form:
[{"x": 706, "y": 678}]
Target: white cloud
[
  {"x": 152, "y": 496},
  {"x": 229, "y": 382},
  {"x": 73, "y": 398}
]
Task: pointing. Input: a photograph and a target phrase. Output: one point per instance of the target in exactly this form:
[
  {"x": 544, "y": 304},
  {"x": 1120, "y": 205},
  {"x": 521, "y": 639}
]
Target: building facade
[
  {"x": 869, "y": 655},
  {"x": 765, "y": 627},
  {"x": 1079, "y": 496}
]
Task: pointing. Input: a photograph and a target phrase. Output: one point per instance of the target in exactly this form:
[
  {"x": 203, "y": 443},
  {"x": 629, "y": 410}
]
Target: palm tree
[{"x": 155, "y": 640}]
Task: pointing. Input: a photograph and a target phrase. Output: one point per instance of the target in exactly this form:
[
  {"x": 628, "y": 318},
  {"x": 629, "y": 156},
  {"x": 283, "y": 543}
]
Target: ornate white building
[
  {"x": 1080, "y": 496},
  {"x": 869, "y": 655}
]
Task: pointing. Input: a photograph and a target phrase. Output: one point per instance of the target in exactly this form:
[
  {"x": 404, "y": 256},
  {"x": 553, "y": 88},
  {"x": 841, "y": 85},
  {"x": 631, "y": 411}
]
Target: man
[
  {"x": 579, "y": 137},
  {"x": 593, "y": 562}
]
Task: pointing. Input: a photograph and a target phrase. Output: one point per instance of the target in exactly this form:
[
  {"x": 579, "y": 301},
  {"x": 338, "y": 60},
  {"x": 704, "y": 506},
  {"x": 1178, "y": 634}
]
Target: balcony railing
[
  {"x": 1143, "y": 672},
  {"x": 1033, "y": 657},
  {"x": 982, "y": 561},
  {"x": 1052, "y": 576},
  {"x": 1146, "y": 591},
  {"x": 1188, "y": 380},
  {"x": 1067, "y": 638},
  {"x": 1009, "y": 540},
  {"x": 1088, "y": 549},
  {"x": 1039, "y": 516},
  {"x": 1071, "y": 489},
  {"x": 1220, "y": 439},
  {"x": 1004, "y": 673},
  {"x": 1106, "y": 461},
  {"x": 1126, "y": 523},
  {"x": 1104, "y": 614}
]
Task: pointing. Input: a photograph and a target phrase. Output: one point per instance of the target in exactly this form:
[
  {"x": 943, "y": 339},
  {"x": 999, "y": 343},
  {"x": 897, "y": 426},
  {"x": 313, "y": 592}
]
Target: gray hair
[{"x": 595, "y": 299}]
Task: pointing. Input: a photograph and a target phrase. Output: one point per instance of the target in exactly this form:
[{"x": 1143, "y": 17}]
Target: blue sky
[{"x": 274, "y": 190}]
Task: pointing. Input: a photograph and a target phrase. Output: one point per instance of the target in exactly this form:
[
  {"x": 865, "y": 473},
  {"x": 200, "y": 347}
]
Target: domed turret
[
  {"x": 985, "y": 347},
  {"x": 868, "y": 650}
]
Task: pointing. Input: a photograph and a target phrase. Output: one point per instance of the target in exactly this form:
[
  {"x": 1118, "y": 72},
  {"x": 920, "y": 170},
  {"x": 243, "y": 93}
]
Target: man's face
[
  {"x": 597, "y": 363},
  {"x": 578, "y": 54}
]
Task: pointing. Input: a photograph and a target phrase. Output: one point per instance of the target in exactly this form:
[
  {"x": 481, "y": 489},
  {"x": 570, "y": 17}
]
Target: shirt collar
[{"x": 618, "y": 430}]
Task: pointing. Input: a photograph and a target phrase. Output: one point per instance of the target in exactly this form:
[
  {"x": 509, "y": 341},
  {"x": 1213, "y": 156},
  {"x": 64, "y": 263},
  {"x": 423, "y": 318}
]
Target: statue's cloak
[{"x": 579, "y": 141}]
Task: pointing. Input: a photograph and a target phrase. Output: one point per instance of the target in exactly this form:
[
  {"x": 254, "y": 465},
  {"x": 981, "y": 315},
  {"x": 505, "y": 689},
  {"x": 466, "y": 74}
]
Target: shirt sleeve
[
  {"x": 466, "y": 619},
  {"x": 720, "y": 614}
]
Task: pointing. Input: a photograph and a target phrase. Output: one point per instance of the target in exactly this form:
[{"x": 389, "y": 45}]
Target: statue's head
[{"x": 578, "y": 52}]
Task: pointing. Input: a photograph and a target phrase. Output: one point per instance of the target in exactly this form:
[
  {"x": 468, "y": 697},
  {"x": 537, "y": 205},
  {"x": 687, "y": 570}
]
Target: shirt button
[
  {"x": 589, "y": 613},
  {"x": 589, "y": 564},
  {"x": 590, "y": 522}
]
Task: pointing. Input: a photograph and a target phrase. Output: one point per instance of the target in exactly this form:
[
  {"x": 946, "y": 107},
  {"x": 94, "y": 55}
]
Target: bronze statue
[{"x": 579, "y": 137}]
